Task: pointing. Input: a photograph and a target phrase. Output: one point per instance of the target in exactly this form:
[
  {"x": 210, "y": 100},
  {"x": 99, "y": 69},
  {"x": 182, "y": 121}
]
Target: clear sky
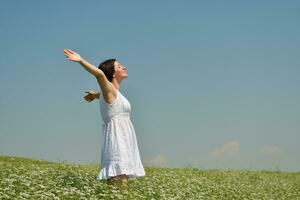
[{"x": 212, "y": 84}]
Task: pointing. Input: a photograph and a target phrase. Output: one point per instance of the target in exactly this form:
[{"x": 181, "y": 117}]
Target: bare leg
[
  {"x": 119, "y": 181},
  {"x": 124, "y": 178}
]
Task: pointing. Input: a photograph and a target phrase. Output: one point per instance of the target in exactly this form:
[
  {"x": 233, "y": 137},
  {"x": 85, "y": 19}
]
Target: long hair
[{"x": 108, "y": 68}]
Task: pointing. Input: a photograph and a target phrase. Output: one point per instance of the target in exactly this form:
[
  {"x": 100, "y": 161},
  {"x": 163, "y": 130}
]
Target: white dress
[{"x": 119, "y": 153}]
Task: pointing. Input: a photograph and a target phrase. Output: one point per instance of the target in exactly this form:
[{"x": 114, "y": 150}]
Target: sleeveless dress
[{"x": 119, "y": 153}]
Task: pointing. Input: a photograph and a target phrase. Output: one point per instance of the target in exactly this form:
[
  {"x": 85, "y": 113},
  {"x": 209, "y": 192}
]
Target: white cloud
[
  {"x": 230, "y": 148},
  {"x": 157, "y": 160}
]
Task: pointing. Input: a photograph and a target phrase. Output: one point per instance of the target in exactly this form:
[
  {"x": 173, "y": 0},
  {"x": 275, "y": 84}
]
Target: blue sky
[{"x": 212, "y": 84}]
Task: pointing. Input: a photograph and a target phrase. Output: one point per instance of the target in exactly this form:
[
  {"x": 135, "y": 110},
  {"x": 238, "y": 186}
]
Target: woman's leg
[{"x": 123, "y": 178}]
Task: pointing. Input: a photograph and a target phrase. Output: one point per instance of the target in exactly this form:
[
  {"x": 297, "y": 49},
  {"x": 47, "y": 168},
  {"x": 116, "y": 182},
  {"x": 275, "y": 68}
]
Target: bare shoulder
[{"x": 109, "y": 93}]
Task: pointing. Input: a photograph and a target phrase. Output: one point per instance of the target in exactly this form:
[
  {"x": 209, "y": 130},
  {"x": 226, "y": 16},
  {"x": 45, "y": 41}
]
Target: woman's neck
[{"x": 116, "y": 84}]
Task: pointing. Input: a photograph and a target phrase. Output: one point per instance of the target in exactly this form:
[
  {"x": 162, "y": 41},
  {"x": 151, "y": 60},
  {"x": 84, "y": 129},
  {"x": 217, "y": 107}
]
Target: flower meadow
[{"x": 24, "y": 178}]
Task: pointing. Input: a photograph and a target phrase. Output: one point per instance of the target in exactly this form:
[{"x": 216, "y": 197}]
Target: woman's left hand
[{"x": 91, "y": 95}]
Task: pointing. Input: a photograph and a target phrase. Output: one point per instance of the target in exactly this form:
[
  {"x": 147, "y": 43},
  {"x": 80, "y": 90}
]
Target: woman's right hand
[
  {"x": 72, "y": 55},
  {"x": 91, "y": 95}
]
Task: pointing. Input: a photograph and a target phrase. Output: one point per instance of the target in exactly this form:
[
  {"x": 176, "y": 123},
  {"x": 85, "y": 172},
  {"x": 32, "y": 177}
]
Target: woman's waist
[
  {"x": 120, "y": 115},
  {"x": 123, "y": 115}
]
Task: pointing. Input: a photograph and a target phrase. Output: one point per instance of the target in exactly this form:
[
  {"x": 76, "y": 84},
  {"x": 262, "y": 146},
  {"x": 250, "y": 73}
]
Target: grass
[{"x": 24, "y": 178}]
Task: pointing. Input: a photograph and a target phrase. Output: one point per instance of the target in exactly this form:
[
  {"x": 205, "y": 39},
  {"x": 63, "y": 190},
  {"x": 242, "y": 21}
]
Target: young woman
[{"x": 120, "y": 158}]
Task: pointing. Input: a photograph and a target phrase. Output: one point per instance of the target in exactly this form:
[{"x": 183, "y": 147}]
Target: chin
[{"x": 124, "y": 77}]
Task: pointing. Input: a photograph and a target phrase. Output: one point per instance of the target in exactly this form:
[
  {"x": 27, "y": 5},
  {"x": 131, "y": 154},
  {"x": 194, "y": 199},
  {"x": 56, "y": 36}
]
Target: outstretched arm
[
  {"x": 109, "y": 93},
  {"x": 91, "y": 95},
  {"x": 73, "y": 56},
  {"x": 97, "y": 95}
]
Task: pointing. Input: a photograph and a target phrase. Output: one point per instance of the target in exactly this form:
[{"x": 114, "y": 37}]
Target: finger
[
  {"x": 69, "y": 50},
  {"x": 66, "y": 51},
  {"x": 70, "y": 53},
  {"x": 67, "y": 55}
]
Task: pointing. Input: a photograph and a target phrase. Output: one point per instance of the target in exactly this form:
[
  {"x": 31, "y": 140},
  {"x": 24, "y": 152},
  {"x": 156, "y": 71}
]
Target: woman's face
[{"x": 120, "y": 71}]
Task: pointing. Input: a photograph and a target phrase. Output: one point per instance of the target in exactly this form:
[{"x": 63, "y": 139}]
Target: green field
[{"x": 22, "y": 178}]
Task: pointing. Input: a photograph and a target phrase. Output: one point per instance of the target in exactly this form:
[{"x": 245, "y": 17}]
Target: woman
[{"x": 120, "y": 158}]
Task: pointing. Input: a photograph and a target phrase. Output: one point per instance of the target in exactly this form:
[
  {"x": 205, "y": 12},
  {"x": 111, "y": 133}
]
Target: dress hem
[{"x": 116, "y": 169}]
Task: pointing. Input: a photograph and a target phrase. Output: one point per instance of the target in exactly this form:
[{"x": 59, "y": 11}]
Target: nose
[{"x": 124, "y": 67}]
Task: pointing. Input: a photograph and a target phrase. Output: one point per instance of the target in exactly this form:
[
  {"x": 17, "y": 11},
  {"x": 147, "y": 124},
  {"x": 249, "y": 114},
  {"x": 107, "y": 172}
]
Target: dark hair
[{"x": 108, "y": 68}]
